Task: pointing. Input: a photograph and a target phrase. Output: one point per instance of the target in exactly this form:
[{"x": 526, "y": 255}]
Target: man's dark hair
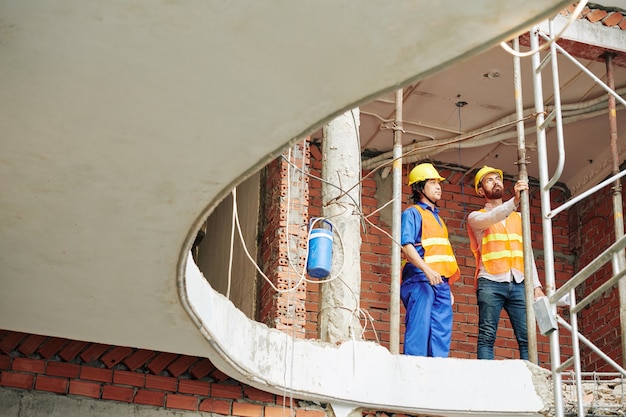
[{"x": 418, "y": 189}]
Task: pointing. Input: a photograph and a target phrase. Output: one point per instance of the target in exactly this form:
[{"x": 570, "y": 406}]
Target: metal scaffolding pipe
[
  {"x": 525, "y": 209},
  {"x": 394, "y": 308},
  {"x": 618, "y": 215},
  {"x": 555, "y": 354}
]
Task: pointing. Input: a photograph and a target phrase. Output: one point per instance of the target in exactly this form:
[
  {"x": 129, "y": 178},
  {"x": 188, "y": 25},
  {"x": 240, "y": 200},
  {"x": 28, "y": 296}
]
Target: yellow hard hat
[
  {"x": 423, "y": 172},
  {"x": 484, "y": 171}
]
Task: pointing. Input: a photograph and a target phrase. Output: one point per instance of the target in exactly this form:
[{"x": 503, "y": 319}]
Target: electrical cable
[
  {"x": 464, "y": 204},
  {"x": 245, "y": 248},
  {"x": 367, "y": 316},
  {"x": 242, "y": 240},
  {"x": 323, "y": 180},
  {"x": 232, "y": 244},
  {"x": 310, "y": 229}
]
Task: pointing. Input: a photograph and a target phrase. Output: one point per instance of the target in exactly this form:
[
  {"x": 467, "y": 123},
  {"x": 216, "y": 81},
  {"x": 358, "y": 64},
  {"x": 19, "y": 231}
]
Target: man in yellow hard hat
[
  {"x": 495, "y": 234},
  {"x": 430, "y": 268}
]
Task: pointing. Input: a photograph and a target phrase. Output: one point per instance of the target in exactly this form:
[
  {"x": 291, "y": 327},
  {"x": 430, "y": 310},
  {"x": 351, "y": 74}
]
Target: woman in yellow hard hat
[{"x": 430, "y": 268}]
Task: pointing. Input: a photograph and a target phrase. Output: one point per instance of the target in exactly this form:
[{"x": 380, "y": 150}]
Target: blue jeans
[
  {"x": 428, "y": 318},
  {"x": 492, "y": 298}
]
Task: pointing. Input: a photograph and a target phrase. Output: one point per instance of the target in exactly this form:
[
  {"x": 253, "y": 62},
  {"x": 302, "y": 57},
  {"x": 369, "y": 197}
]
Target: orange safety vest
[
  {"x": 437, "y": 249},
  {"x": 502, "y": 247}
]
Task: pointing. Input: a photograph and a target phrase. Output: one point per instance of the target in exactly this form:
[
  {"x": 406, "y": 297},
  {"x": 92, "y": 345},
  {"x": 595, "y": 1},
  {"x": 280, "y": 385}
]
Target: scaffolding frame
[{"x": 546, "y": 309}]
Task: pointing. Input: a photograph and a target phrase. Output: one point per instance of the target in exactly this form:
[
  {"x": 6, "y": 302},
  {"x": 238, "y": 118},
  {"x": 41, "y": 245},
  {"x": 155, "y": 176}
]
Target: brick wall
[
  {"x": 315, "y": 205},
  {"x": 134, "y": 376},
  {"x": 282, "y": 246}
]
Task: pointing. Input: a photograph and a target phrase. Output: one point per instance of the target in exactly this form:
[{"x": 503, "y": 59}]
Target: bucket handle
[{"x": 314, "y": 220}]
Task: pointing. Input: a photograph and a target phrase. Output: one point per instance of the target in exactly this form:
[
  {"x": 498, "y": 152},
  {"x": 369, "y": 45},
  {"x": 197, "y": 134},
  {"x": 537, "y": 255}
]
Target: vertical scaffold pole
[
  {"x": 525, "y": 208},
  {"x": 394, "y": 308},
  {"x": 618, "y": 215},
  {"x": 555, "y": 356}
]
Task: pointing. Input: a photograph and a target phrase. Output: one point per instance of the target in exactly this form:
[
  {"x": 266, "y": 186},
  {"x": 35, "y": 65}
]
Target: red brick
[
  {"x": 613, "y": 19},
  {"x": 158, "y": 364},
  {"x": 278, "y": 412},
  {"x": 148, "y": 397},
  {"x": 112, "y": 392},
  {"x": 15, "y": 380},
  {"x": 258, "y": 395},
  {"x": 30, "y": 345},
  {"x": 115, "y": 356},
  {"x": 136, "y": 379},
  {"x": 220, "y": 376},
  {"x": 181, "y": 402},
  {"x": 36, "y": 366},
  {"x": 596, "y": 15},
  {"x": 5, "y": 362},
  {"x": 226, "y": 391},
  {"x": 164, "y": 383},
  {"x": 186, "y": 386},
  {"x": 96, "y": 374},
  {"x": 139, "y": 358},
  {"x": 52, "y": 384},
  {"x": 68, "y": 370},
  {"x": 181, "y": 365},
  {"x": 85, "y": 388},
  {"x": 247, "y": 410},
  {"x": 211, "y": 405},
  {"x": 52, "y": 346},
  {"x": 202, "y": 368},
  {"x": 93, "y": 352},
  {"x": 71, "y": 350},
  {"x": 10, "y": 341}
]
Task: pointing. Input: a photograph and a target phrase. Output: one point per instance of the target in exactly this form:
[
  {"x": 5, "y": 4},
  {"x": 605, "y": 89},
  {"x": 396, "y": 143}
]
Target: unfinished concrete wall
[{"x": 214, "y": 252}]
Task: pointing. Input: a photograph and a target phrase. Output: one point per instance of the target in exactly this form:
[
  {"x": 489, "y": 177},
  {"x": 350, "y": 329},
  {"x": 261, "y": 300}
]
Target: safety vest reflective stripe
[
  {"x": 431, "y": 259},
  {"x": 503, "y": 237},
  {"x": 432, "y": 241},
  {"x": 438, "y": 252},
  {"x": 503, "y": 254},
  {"x": 502, "y": 247}
]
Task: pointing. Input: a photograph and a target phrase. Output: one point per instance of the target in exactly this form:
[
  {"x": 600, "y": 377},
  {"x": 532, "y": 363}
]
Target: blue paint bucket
[{"x": 320, "y": 257}]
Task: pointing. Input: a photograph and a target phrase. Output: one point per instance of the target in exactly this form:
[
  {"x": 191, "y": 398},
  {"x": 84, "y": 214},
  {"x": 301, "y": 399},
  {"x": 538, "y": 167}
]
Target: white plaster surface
[{"x": 359, "y": 374}]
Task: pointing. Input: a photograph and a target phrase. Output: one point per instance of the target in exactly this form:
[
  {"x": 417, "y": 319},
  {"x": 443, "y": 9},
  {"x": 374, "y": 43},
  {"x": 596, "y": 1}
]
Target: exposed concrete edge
[
  {"x": 583, "y": 31},
  {"x": 273, "y": 361}
]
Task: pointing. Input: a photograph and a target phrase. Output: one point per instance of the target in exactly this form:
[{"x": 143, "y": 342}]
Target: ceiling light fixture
[{"x": 492, "y": 75}]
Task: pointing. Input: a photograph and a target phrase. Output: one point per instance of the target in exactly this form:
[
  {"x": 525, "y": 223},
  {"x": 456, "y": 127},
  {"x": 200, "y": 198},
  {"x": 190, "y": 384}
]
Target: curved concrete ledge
[{"x": 358, "y": 375}]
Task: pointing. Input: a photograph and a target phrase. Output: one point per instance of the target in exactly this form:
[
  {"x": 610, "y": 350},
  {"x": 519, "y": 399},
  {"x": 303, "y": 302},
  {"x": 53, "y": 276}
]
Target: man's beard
[{"x": 494, "y": 194}]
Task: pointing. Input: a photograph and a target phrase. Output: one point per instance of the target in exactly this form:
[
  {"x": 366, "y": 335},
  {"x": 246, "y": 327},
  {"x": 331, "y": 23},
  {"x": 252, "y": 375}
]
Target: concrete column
[{"x": 341, "y": 192}]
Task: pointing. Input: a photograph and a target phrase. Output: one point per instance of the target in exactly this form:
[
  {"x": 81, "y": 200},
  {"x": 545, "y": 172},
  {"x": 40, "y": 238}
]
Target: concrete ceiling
[{"x": 477, "y": 95}]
